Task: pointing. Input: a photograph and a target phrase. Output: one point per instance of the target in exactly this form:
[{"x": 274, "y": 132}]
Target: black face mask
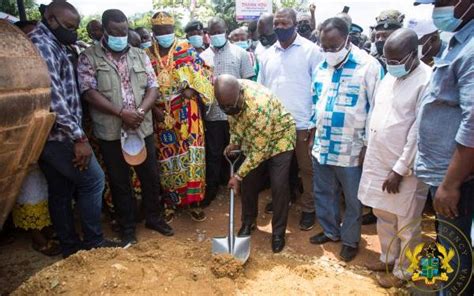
[
  {"x": 268, "y": 40},
  {"x": 304, "y": 29},
  {"x": 379, "y": 45},
  {"x": 65, "y": 36}
]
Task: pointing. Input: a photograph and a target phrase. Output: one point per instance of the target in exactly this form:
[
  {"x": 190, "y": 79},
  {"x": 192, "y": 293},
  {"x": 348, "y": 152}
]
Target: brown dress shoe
[
  {"x": 388, "y": 280},
  {"x": 379, "y": 266}
]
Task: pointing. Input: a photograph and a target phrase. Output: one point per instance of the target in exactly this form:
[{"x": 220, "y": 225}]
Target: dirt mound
[{"x": 171, "y": 267}]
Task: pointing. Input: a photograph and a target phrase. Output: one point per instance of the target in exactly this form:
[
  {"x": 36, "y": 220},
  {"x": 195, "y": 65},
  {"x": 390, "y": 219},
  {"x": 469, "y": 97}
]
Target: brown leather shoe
[
  {"x": 388, "y": 280},
  {"x": 378, "y": 266}
]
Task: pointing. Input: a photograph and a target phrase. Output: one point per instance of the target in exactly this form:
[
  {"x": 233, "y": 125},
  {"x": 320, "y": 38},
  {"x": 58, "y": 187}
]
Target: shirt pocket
[
  {"x": 348, "y": 92},
  {"x": 104, "y": 73},
  {"x": 141, "y": 75},
  {"x": 444, "y": 86}
]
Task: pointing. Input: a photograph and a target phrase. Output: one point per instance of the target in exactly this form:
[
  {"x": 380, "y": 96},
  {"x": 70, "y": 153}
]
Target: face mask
[
  {"x": 268, "y": 40},
  {"x": 242, "y": 44},
  {"x": 379, "y": 46},
  {"x": 398, "y": 70},
  {"x": 145, "y": 45},
  {"x": 165, "y": 41},
  {"x": 196, "y": 41},
  {"x": 444, "y": 19},
  {"x": 335, "y": 58},
  {"x": 117, "y": 44},
  {"x": 304, "y": 29},
  {"x": 63, "y": 35},
  {"x": 218, "y": 40},
  {"x": 284, "y": 35}
]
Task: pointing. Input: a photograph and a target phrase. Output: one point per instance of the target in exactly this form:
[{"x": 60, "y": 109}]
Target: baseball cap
[
  {"x": 422, "y": 26},
  {"x": 418, "y": 2},
  {"x": 133, "y": 146}
]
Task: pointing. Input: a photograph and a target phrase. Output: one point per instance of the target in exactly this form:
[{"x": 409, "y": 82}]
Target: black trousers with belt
[
  {"x": 119, "y": 174},
  {"x": 278, "y": 168}
]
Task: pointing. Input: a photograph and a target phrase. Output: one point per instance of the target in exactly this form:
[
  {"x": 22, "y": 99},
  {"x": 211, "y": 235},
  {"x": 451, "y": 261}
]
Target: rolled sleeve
[{"x": 86, "y": 74}]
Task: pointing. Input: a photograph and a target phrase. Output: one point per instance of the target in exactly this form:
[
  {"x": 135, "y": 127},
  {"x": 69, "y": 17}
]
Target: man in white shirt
[
  {"x": 287, "y": 70},
  {"x": 388, "y": 184}
]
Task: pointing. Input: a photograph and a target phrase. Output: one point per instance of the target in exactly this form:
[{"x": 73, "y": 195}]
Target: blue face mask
[
  {"x": 444, "y": 19},
  {"x": 284, "y": 35},
  {"x": 242, "y": 44},
  {"x": 145, "y": 45},
  {"x": 196, "y": 41},
  {"x": 117, "y": 44},
  {"x": 218, "y": 40},
  {"x": 165, "y": 40},
  {"x": 397, "y": 70}
]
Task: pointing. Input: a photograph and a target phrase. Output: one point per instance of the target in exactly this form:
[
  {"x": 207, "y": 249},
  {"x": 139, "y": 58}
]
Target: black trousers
[
  {"x": 278, "y": 168},
  {"x": 217, "y": 138},
  {"x": 121, "y": 186}
]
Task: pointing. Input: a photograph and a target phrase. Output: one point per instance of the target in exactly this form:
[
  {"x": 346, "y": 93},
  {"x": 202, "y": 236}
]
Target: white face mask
[{"x": 335, "y": 58}]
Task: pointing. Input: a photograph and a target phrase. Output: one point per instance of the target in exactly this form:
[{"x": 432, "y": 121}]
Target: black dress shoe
[
  {"x": 246, "y": 229},
  {"x": 269, "y": 208},
  {"x": 320, "y": 239},
  {"x": 129, "y": 238},
  {"x": 348, "y": 253},
  {"x": 161, "y": 226},
  {"x": 307, "y": 221},
  {"x": 369, "y": 218},
  {"x": 278, "y": 243}
]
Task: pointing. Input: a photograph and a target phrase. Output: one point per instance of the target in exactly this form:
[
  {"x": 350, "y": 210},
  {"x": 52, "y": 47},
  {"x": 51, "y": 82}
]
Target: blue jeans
[
  {"x": 328, "y": 181},
  {"x": 66, "y": 181},
  {"x": 449, "y": 237}
]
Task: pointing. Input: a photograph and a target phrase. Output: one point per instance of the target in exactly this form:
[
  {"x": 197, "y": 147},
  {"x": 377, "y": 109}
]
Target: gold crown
[{"x": 162, "y": 19}]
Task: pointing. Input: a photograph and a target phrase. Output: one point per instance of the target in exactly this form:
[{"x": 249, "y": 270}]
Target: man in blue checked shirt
[
  {"x": 445, "y": 158},
  {"x": 67, "y": 159},
  {"x": 344, "y": 87}
]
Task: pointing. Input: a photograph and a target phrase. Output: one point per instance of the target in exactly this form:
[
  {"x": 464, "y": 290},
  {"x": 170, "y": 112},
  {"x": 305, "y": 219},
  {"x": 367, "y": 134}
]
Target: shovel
[{"x": 238, "y": 247}]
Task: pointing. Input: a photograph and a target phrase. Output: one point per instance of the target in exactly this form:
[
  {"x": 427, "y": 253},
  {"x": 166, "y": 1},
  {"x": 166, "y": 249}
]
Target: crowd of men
[{"x": 340, "y": 118}]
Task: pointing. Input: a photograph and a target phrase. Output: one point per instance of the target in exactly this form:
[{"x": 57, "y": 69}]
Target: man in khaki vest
[{"x": 119, "y": 84}]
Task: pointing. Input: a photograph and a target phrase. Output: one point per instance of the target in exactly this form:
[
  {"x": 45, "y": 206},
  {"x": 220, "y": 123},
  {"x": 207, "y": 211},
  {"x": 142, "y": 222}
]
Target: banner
[{"x": 250, "y": 10}]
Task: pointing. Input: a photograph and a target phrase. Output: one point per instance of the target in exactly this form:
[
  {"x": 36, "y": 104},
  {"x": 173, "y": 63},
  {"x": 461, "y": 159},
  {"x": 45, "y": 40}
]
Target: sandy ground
[{"x": 183, "y": 264}]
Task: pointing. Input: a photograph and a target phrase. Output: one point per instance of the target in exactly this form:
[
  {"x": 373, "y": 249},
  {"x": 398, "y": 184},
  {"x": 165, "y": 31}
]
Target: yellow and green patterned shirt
[{"x": 263, "y": 128}]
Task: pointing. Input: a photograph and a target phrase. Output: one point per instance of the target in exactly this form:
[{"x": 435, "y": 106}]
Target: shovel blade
[{"x": 241, "y": 252}]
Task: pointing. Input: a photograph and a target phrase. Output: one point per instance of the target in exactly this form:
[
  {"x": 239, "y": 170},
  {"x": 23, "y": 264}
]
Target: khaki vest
[{"x": 107, "y": 127}]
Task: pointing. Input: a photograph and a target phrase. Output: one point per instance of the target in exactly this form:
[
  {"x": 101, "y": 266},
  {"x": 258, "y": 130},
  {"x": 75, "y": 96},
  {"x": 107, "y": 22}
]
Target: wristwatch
[{"x": 140, "y": 110}]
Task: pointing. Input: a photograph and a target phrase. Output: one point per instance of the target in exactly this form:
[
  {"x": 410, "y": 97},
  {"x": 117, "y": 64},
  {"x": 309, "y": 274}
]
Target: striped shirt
[{"x": 342, "y": 99}]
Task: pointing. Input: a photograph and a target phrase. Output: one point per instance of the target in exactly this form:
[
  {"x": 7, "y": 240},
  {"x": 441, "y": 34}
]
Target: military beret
[
  {"x": 389, "y": 20},
  {"x": 193, "y": 25}
]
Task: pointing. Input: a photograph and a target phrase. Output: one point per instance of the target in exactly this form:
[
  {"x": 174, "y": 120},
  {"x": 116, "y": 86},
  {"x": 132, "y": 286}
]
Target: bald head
[
  {"x": 345, "y": 17},
  {"x": 400, "y": 43},
  {"x": 67, "y": 14},
  {"x": 216, "y": 25},
  {"x": 226, "y": 90},
  {"x": 286, "y": 13},
  {"x": 265, "y": 24}
]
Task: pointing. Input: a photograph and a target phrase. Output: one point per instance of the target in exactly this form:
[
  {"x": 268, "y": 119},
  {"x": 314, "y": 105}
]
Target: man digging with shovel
[{"x": 265, "y": 133}]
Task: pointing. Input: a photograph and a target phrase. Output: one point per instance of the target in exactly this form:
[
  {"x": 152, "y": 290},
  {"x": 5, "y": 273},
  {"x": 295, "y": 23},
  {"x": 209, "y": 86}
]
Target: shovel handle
[{"x": 233, "y": 162}]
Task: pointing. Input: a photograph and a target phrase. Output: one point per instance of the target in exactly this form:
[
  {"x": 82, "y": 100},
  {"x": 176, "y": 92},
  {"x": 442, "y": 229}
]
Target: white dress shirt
[
  {"x": 392, "y": 141},
  {"x": 289, "y": 74}
]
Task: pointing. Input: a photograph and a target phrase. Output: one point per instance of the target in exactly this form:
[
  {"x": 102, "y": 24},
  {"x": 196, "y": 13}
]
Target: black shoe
[
  {"x": 348, "y": 253},
  {"x": 278, "y": 243},
  {"x": 307, "y": 221},
  {"x": 369, "y": 218},
  {"x": 129, "y": 239},
  {"x": 106, "y": 243},
  {"x": 246, "y": 229},
  {"x": 320, "y": 239},
  {"x": 161, "y": 226},
  {"x": 269, "y": 208}
]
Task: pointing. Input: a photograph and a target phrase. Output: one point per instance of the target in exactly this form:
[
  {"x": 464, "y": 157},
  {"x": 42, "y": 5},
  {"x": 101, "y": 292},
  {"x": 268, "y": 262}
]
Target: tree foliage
[{"x": 10, "y": 7}]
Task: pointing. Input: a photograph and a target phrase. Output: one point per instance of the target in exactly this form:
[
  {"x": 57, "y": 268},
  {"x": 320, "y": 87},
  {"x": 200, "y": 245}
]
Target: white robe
[{"x": 392, "y": 141}]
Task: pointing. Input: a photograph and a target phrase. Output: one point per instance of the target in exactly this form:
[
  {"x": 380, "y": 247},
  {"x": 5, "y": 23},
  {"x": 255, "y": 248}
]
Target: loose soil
[{"x": 184, "y": 265}]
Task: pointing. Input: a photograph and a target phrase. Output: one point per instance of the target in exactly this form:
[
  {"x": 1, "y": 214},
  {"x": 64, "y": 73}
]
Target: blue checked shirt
[
  {"x": 341, "y": 102},
  {"x": 447, "y": 111},
  {"x": 65, "y": 99}
]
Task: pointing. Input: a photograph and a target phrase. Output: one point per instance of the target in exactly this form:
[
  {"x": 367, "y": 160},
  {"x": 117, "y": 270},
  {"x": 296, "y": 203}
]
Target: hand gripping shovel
[{"x": 238, "y": 247}]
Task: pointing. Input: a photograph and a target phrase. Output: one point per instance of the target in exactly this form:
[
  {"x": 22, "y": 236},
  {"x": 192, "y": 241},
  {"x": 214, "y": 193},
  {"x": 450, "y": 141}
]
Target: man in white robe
[{"x": 388, "y": 184}]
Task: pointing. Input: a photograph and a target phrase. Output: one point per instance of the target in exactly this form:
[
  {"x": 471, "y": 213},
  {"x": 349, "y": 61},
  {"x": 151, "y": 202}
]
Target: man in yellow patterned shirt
[{"x": 266, "y": 133}]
